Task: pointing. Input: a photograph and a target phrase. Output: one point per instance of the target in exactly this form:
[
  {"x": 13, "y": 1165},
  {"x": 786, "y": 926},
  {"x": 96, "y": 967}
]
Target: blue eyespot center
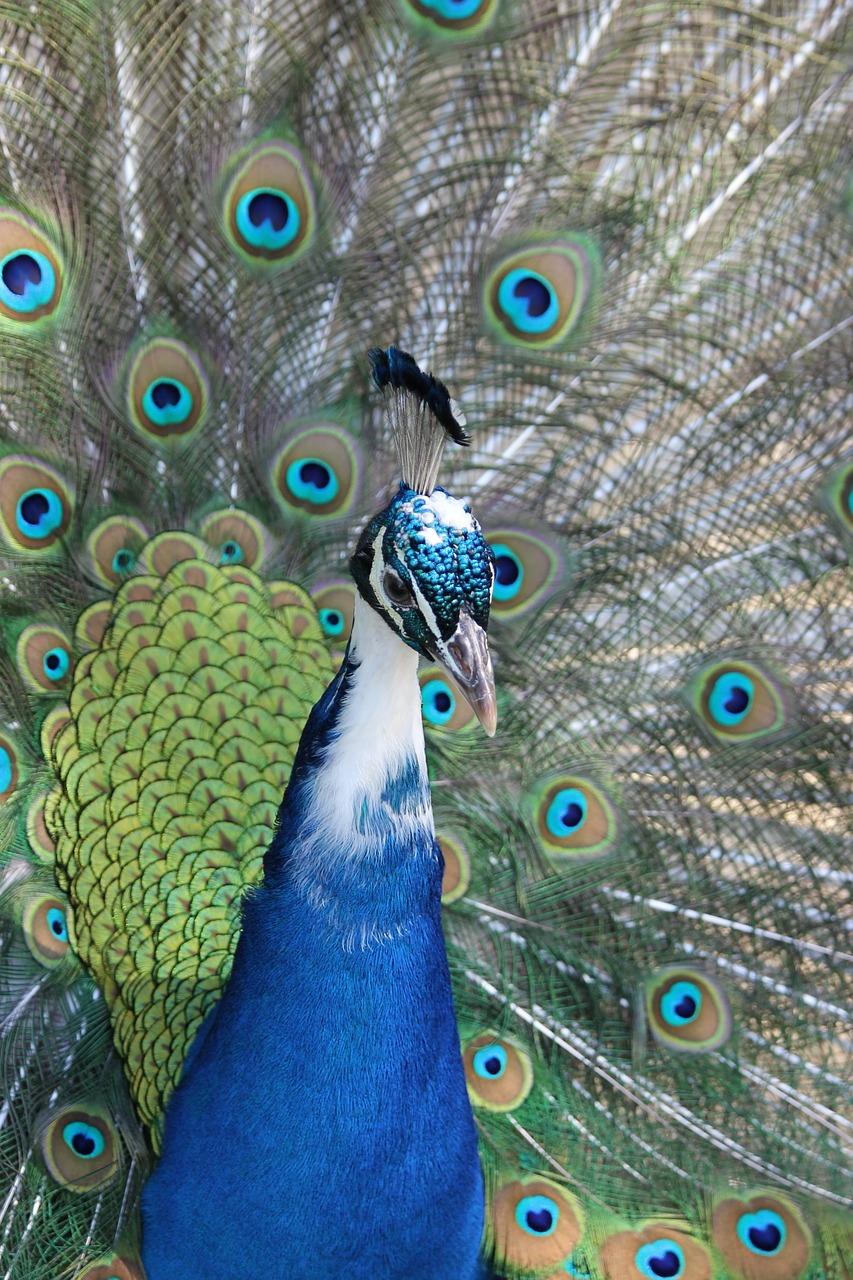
[
  {"x": 681, "y": 1004},
  {"x": 124, "y": 561},
  {"x": 737, "y": 701},
  {"x": 5, "y": 770},
  {"x": 84, "y": 1139},
  {"x": 528, "y": 300},
  {"x": 537, "y": 294},
  {"x": 167, "y": 402},
  {"x": 231, "y": 553},
  {"x": 19, "y": 271},
  {"x": 34, "y": 506},
  {"x": 56, "y": 663},
  {"x": 767, "y": 1239},
  {"x": 661, "y": 1258},
  {"x": 315, "y": 473},
  {"x": 490, "y": 1062},
  {"x": 438, "y": 702},
  {"x": 457, "y": 10},
  {"x": 27, "y": 280},
  {"x": 312, "y": 480},
  {"x": 268, "y": 206},
  {"x": 731, "y": 698},
  {"x": 39, "y": 513},
  {"x": 509, "y": 573},
  {"x": 762, "y": 1232},
  {"x": 566, "y": 812},
  {"x": 165, "y": 394},
  {"x": 267, "y": 218},
  {"x": 537, "y": 1215},
  {"x": 57, "y": 924},
  {"x": 572, "y": 815},
  {"x": 332, "y": 622}
]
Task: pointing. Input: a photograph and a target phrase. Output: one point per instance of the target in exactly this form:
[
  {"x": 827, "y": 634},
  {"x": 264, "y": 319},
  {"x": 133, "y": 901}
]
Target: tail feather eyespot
[
  {"x": 31, "y": 272},
  {"x": 574, "y": 818},
  {"x": 35, "y": 504},
  {"x": 80, "y": 1146},
  {"x": 457, "y": 869},
  {"x": 535, "y": 1223},
  {"x": 167, "y": 393},
  {"x": 741, "y": 701},
  {"x": 269, "y": 213},
  {"x": 654, "y": 1251},
  {"x": 687, "y": 1010},
  {"x": 540, "y": 295},
  {"x": 317, "y": 471},
  {"x": 236, "y": 537},
  {"x": 46, "y": 929},
  {"x": 761, "y": 1237},
  {"x": 450, "y": 19},
  {"x": 499, "y": 1073},
  {"x": 45, "y": 658},
  {"x": 528, "y": 568}
]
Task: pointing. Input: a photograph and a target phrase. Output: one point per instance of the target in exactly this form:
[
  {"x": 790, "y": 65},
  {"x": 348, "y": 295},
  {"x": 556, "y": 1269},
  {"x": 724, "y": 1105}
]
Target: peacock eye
[
  {"x": 397, "y": 590},
  {"x": 536, "y": 1224},
  {"x": 764, "y": 1234},
  {"x": 687, "y": 1011},
  {"x": 167, "y": 392}
]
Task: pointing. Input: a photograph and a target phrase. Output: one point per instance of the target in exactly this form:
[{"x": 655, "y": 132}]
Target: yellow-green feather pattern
[{"x": 184, "y": 723}]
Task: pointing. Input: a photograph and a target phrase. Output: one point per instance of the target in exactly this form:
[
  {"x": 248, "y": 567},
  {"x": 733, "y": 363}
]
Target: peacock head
[{"x": 422, "y": 563}]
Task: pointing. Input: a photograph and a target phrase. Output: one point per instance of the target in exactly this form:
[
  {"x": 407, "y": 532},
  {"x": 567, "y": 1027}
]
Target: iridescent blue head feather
[
  {"x": 436, "y": 567},
  {"x": 422, "y": 563}
]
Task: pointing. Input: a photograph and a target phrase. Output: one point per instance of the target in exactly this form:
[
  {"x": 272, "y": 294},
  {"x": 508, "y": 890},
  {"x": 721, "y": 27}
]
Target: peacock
[{"x": 426, "y": 503}]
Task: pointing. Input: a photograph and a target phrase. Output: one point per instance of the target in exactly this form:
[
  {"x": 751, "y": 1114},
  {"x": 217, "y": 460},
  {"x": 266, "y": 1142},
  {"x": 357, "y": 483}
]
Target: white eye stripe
[
  {"x": 426, "y": 610},
  {"x": 377, "y": 573},
  {"x": 378, "y": 567}
]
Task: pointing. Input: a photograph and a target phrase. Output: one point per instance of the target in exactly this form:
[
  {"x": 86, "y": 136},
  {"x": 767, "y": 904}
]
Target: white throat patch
[{"x": 379, "y": 735}]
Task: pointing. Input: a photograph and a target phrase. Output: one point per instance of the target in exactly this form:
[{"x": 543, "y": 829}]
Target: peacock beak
[{"x": 466, "y": 658}]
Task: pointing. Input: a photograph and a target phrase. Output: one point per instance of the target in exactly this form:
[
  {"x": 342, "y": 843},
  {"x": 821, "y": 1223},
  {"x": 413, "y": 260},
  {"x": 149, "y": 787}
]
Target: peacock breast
[{"x": 331, "y": 1078}]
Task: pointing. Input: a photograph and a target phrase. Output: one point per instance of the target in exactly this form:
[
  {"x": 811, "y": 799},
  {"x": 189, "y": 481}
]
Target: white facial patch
[{"x": 451, "y": 512}]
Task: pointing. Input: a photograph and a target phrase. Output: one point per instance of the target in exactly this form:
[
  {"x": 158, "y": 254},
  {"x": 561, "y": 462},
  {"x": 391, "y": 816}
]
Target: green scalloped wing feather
[{"x": 184, "y": 723}]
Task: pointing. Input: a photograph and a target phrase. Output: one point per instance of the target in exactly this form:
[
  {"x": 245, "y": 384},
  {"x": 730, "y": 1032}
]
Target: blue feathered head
[{"x": 422, "y": 563}]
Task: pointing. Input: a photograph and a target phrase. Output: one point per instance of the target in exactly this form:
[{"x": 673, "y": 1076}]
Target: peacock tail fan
[{"x": 621, "y": 235}]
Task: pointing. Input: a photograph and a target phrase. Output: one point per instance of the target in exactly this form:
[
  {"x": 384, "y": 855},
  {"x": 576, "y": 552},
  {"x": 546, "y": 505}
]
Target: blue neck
[{"x": 323, "y": 1126}]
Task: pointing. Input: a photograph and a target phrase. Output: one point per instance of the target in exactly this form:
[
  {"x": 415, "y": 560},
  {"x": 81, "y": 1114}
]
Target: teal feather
[{"x": 622, "y": 237}]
